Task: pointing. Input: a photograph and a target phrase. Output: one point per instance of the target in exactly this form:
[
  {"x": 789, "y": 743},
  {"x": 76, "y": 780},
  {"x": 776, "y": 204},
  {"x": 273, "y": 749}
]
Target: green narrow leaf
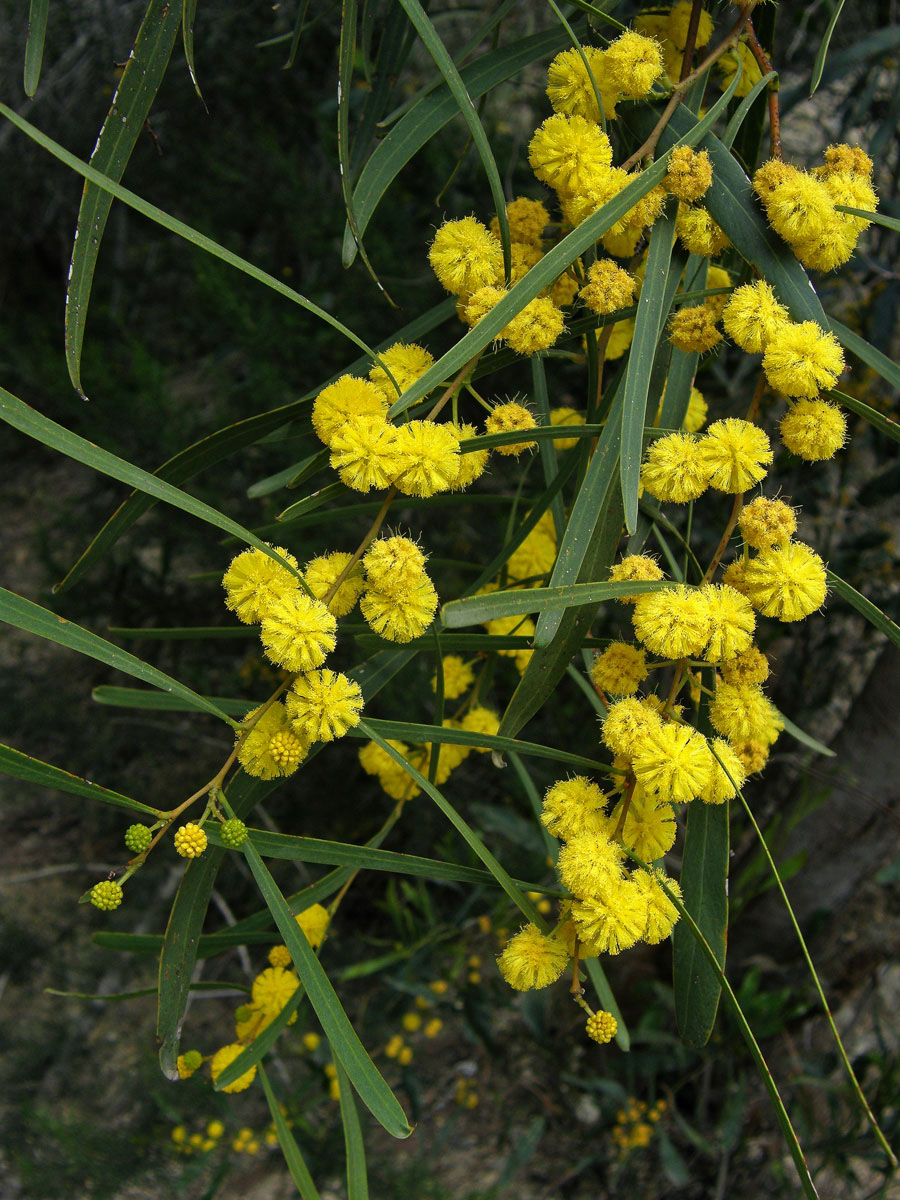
[
  {"x": 179, "y": 228},
  {"x": 447, "y": 68},
  {"x": 185, "y": 633},
  {"x": 804, "y": 738},
  {"x": 880, "y": 422},
  {"x": 704, "y": 875},
  {"x": 822, "y": 52},
  {"x": 407, "y": 731},
  {"x": 547, "y": 446},
  {"x": 121, "y": 697},
  {"x": 182, "y": 937},
  {"x": 468, "y": 834},
  {"x": 314, "y": 500},
  {"x": 24, "y": 614},
  {"x": 875, "y": 218},
  {"x": 28, "y": 421},
  {"x": 291, "y": 476},
  {"x": 130, "y": 107},
  {"x": 346, "y": 1046},
  {"x": 253, "y": 1053},
  {"x": 357, "y": 1177},
  {"x": 188, "y": 14},
  {"x": 732, "y": 129},
  {"x": 475, "y": 610},
  {"x": 873, "y": 358},
  {"x": 429, "y": 115},
  {"x": 33, "y": 770},
  {"x": 648, "y": 324},
  {"x": 289, "y": 1148},
  {"x": 34, "y": 45},
  {"x": 865, "y": 607}
]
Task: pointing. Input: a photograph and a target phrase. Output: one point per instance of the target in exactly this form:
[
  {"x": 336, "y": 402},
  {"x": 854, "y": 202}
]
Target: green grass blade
[
  {"x": 648, "y": 325},
  {"x": 32, "y": 770},
  {"x": 28, "y": 421},
  {"x": 822, "y": 52},
  {"x": 865, "y": 607},
  {"x": 429, "y": 115},
  {"x": 878, "y": 420},
  {"x": 188, "y": 15},
  {"x": 254, "y": 1052},
  {"x": 346, "y": 1046},
  {"x": 289, "y": 1148},
  {"x": 124, "y": 122},
  {"x": 805, "y": 739},
  {"x": 182, "y": 936},
  {"x": 357, "y": 1176},
  {"x": 180, "y": 229},
  {"x": 34, "y": 45},
  {"x": 704, "y": 875},
  {"x": 468, "y": 834},
  {"x": 447, "y": 68},
  {"x": 873, "y": 358},
  {"x": 25, "y": 614},
  {"x": 406, "y": 731},
  {"x": 475, "y": 610}
]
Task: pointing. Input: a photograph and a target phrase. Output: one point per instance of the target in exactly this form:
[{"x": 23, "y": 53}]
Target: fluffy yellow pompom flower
[
  {"x": 601, "y": 1027},
  {"x": 764, "y": 522},
  {"x": 298, "y": 632},
  {"x": 727, "y": 774},
  {"x": 575, "y": 808},
  {"x": 533, "y": 559},
  {"x": 753, "y": 315},
  {"x": 587, "y": 861},
  {"x": 321, "y": 574},
  {"x": 639, "y": 568},
  {"x": 535, "y": 328},
  {"x": 802, "y": 360},
  {"x": 566, "y": 416},
  {"x": 313, "y": 922},
  {"x": 742, "y": 711},
  {"x": 532, "y": 959},
  {"x": 736, "y": 453},
  {"x": 674, "y": 469},
  {"x": 604, "y": 185},
  {"x": 852, "y": 191},
  {"x": 750, "y": 72},
  {"x": 848, "y": 159},
  {"x": 674, "y": 623},
  {"x": 694, "y": 329},
  {"x": 527, "y": 220},
  {"x": 649, "y": 829},
  {"x": 344, "y": 402},
  {"x": 627, "y": 725},
  {"x": 481, "y": 720},
  {"x": 428, "y": 457},
  {"x": 689, "y": 175},
  {"x": 567, "y": 153},
  {"x": 698, "y": 232},
  {"x": 678, "y": 22},
  {"x": 272, "y": 989},
  {"x": 633, "y": 63},
  {"x": 753, "y": 755},
  {"x": 662, "y": 914},
  {"x": 750, "y": 666},
  {"x": 831, "y": 249},
  {"x": 799, "y": 208},
  {"x": 406, "y": 362},
  {"x": 465, "y": 256},
  {"x": 366, "y": 453},
  {"x": 279, "y": 956},
  {"x": 323, "y": 705},
  {"x": 190, "y": 840},
  {"x": 522, "y": 258},
  {"x": 565, "y": 287},
  {"x": 224, "y": 1058},
  {"x": 401, "y": 617},
  {"x": 695, "y": 417},
  {"x": 813, "y": 429},
  {"x": 391, "y": 775},
  {"x": 513, "y": 626},
  {"x": 255, "y": 753},
  {"x": 570, "y": 88},
  {"x": 254, "y": 581},
  {"x": 480, "y": 303},
  {"x": 674, "y": 764},
  {"x": 472, "y": 464},
  {"x": 787, "y": 582},
  {"x": 608, "y": 287},
  {"x": 612, "y": 919},
  {"x": 732, "y": 622},
  {"x": 458, "y": 676},
  {"x": 393, "y": 565},
  {"x": 507, "y": 418},
  {"x": 620, "y": 669}
]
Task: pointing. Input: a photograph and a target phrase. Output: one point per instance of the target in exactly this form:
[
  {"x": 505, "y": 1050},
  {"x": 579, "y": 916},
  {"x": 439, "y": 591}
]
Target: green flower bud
[
  {"x": 233, "y": 833},
  {"x": 138, "y": 838}
]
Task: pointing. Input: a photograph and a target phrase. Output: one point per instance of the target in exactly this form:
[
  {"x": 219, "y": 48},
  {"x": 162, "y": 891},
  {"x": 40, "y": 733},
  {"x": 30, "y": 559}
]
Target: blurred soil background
[{"x": 179, "y": 345}]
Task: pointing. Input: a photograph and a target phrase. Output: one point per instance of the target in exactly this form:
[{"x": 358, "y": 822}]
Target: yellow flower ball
[
  {"x": 465, "y": 256},
  {"x": 507, "y": 418},
  {"x": 802, "y": 360},
  {"x": 224, "y": 1058},
  {"x": 787, "y": 582},
  {"x": 813, "y": 429}
]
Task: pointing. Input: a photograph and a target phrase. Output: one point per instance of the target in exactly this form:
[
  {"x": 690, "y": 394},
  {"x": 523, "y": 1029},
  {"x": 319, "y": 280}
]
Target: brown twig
[
  {"x": 691, "y": 39},
  {"x": 765, "y": 65},
  {"x": 729, "y": 529}
]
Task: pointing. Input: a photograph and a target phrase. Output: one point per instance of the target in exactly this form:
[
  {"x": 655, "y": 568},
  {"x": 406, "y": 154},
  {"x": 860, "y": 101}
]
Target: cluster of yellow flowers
[
  {"x": 270, "y": 991},
  {"x": 635, "y": 1124},
  {"x": 245, "y": 1141}
]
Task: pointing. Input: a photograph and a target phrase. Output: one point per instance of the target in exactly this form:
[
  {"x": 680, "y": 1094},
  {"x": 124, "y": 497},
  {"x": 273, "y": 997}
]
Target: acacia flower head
[
  {"x": 627, "y": 725},
  {"x": 732, "y": 622},
  {"x": 480, "y": 719},
  {"x": 343, "y": 402},
  {"x": 736, "y": 453},
  {"x": 662, "y": 915},
  {"x": 620, "y": 669},
  {"x": 612, "y": 919},
  {"x": 323, "y": 705},
  {"x": 322, "y": 573},
  {"x": 813, "y": 429},
  {"x": 748, "y": 667},
  {"x": 752, "y": 315},
  {"x": 457, "y": 674},
  {"x": 427, "y": 458},
  {"x": 575, "y": 807},
  {"x": 742, "y": 711},
  {"x": 313, "y": 922},
  {"x": 472, "y": 464},
  {"x": 694, "y": 329},
  {"x": 406, "y": 362},
  {"x": 571, "y": 88},
  {"x": 465, "y": 256},
  {"x": 764, "y": 522},
  {"x": 400, "y": 617},
  {"x": 587, "y": 861},
  {"x": 107, "y": 895},
  {"x": 601, "y": 1027},
  {"x": 298, "y": 632},
  {"x": 787, "y": 582},
  {"x": 190, "y": 840},
  {"x": 366, "y": 453},
  {"x": 640, "y": 568},
  {"x": 674, "y": 469},
  {"x": 272, "y": 989},
  {"x": 727, "y": 774},
  {"x": 649, "y": 828},
  {"x": 254, "y": 581},
  {"x": 532, "y": 959},
  {"x": 674, "y": 623},
  {"x": 507, "y": 418},
  {"x": 535, "y": 328},
  {"x": 802, "y": 360},
  {"x": 256, "y": 752},
  {"x": 527, "y": 220},
  {"x": 568, "y": 152},
  {"x": 690, "y": 173},
  {"x": 608, "y": 287},
  {"x": 674, "y": 764},
  {"x": 633, "y": 63},
  {"x": 480, "y": 303},
  {"x": 224, "y": 1058},
  {"x": 698, "y": 232},
  {"x": 393, "y": 564}
]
